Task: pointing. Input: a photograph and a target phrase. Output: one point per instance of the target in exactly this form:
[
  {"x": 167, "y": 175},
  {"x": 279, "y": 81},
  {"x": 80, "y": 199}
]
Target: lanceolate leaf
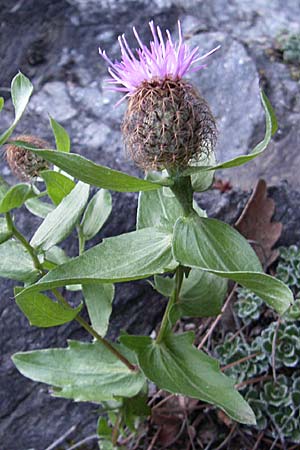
[
  {"x": 1, "y": 103},
  {"x": 16, "y": 263},
  {"x": 41, "y": 311},
  {"x": 201, "y": 181},
  {"x": 4, "y": 187},
  {"x": 91, "y": 173},
  {"x": 130, "y": 256},
  {"x": 83, "y": 372},
  {"x": 60, "y": 222},
  {"x": 58, "y": 185},
  {"x": 175, "y": 365},
  {"x": 214, "y": 246},
  {"x": 15, "y": 197},
  {"x": 96, "y": 214},
  {"x": 5, "y": 232},
  {"x": 62, "y": 138},
  {"x": 21, "y": 90},
  {"x": 98, "y": 299},
  {"x": 271, "y": 128},
  {"x": 38, "y": 207}
]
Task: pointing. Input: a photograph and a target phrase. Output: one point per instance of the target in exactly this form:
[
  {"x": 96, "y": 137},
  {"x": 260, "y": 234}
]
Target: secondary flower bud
[
  {"x": 24, "y": 163},
  {"x": 167, "y": 123}
]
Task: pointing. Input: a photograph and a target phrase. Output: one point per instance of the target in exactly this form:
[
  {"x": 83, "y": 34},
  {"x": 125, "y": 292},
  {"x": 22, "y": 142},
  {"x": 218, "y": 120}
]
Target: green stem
[
  {"x": 93, "y": 332},
  {"x": 81, "y": 241},
  {"x": 183, "y": 191},
  {"x": 19, "y": 236},
  {"x": 173, "y": 299},
  {"x": 115, "y": 431}
]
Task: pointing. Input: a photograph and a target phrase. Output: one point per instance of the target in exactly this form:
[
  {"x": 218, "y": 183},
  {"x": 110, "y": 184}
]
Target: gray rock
[
  {"x": 55, "y": 43},
  {"x": 54, "y": 99},
  {"x": 230, "y": 85}
]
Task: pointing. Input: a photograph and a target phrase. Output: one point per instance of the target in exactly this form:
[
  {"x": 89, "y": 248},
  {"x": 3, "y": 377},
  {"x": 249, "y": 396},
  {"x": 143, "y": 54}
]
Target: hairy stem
[{"x": 172, "y": 301}]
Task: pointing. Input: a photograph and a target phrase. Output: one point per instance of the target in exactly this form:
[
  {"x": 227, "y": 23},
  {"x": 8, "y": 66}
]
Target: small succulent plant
[
  {"x": 288, "y": 269},
  {"x": 287, "y": 344},
  {"x": 276, "y": 403},
  {"x": 248, "y": 306},
  {"x": 291, "y": 49}
]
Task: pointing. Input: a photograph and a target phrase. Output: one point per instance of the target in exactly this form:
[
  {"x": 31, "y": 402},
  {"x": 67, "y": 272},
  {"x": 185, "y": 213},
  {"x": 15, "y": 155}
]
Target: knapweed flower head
[
  {"x": 24, "y": 163},
  {"x": 167, "y": 123}
]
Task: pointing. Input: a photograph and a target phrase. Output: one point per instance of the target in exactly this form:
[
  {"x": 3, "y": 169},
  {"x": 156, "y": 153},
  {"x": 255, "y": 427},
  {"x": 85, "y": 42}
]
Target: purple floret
[{"x": 164, "y": 59}]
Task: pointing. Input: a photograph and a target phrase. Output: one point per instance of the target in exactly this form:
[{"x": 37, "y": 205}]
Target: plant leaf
[
  {"x": 98, "y": 299},
  {"x": 58, "y": 185},
  {"x": 130, "y": 256},
  {"x": 201, "y": 294},
  {"x": 211, "y": 245},
  {"x": 160, "y": 208},
  {"x": 16, "y": 196},
  {"x": 62, "y": 138},
  {"x": 43, "y": 312},
  {"x": 16, "y": 263},
  {"x": 176, "y": 366},
  {"x": 271, "y": 128},
  {"x": 21, "y": 90},
  {"x": 87, "y": 171},
  {"x": 83, "y": 372},
  {"x": 60, "y": 222},
  {"x": 1, "y": 103},
  {"x": 5, "y": 232},
  {"x": 39, "y": 208},
  {"x": 202, "y": 180},
  {"x": 56, "y": 255},
  {"x": 4, "y": 187},
  {"x": 96, "y": 214}
]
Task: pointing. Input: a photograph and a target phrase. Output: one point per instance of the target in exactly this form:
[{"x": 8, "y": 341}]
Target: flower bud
[
  {"x": 167, "y": 125},
  {"x": 23, "y": 163}
]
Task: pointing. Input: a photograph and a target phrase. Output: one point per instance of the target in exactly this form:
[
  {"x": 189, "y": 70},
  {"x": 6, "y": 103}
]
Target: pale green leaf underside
[
  {"x": 16, "y": 263},
  {"x": 21, "y": 90},
  {"x": 96, "y": 214},
  {"x": 90, "y": 172},
  {"x": 208, "y": 244},
  {"x": 175, "y": 365},
  {"x": 98, "y": 299},
  {"x": 130, "y": 256},
  {"x": 39, "y": 208},
  {"x": 160, "y": 208},
  {"x": 59, "y": 223},
  {"x": 83, "y": 372}
]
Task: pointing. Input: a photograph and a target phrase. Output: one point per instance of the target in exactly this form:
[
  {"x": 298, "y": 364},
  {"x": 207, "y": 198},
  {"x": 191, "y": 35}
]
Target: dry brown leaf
[
  {"x": 224, "y": 418},
  {"x": 255, "y": 224},
  {"x": 169, "y": 418},
  {"x": 169, "y": 428},
  {"x": 222, "y": 185}
]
